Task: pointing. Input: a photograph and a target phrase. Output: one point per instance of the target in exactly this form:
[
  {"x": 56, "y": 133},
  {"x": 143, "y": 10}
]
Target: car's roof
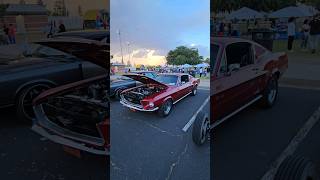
[
  {"x": 92, "y": 35},
  {"x": 142, "y": 72},
  {"x": 227, "y": 40},
  {"x": 174, "y": 74}
]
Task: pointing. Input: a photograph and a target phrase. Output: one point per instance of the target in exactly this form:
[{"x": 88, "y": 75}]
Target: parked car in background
[
  {"x": 159, "y": 94},
  {"x": 150, "y": 74},
  {"x": 29, "y": 70},
  {"x": 243, "y": 72},
  {"x": 120, "y": 83},
  {"x": 76, "y": 115}
]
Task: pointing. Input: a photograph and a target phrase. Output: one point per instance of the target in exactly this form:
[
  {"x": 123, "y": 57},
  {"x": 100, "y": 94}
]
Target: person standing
[
  {"x": 62, "y": 28},
  {"x": 305, "y": 30},
  {"x": 200, "y": 71},
  {"x": 314, "y": 33},
  {"x": 6, "y": 34},
  {"x": 291, "y": 33},
  {"x": 12, "y": 34}
]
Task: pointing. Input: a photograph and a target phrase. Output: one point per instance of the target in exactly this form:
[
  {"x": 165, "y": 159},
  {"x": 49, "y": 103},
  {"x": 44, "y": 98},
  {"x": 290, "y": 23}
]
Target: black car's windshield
[{"x": 167, "y": 79}]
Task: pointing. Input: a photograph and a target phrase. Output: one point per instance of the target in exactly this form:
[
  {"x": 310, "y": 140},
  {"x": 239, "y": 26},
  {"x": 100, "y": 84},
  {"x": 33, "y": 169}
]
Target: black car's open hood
[
  {"x": 144, "y": 79},
  {"x": 89, "y": 50}
]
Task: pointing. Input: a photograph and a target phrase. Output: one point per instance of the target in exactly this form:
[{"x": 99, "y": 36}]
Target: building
[{"x": 25, "y": 17}]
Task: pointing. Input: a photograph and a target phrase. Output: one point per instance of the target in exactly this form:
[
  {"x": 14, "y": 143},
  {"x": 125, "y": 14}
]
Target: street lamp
[{"x": 120, "y": 46}]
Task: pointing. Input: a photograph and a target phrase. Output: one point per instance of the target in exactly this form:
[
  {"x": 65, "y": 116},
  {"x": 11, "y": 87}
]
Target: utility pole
[{"x": 120, "y": 46}]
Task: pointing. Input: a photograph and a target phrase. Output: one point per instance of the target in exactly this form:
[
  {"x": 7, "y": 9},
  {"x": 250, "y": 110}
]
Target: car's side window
[
  {"x": 185, "y": 78},
  {"x": 239, "y": 55}
]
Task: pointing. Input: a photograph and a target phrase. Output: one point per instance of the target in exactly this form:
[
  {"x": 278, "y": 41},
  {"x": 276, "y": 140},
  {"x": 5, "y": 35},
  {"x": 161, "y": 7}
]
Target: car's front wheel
[
  {"x": 270, "y": 94},
  {"x": 165, "y": 108},
  {"x": 117, "y": 94},
  {"x": 200, "y": 129},
  {"x": 24, "y": 101}
]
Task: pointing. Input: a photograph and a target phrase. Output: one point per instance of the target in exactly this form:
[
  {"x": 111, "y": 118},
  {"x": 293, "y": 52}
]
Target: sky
[
  {"x": 72, "y": 5},
  {"x": 149, "y": 29}
]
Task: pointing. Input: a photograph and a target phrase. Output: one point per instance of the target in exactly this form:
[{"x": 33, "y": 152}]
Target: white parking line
[
  {"x": 293, "y": 145},
  {"x": 187, "y": 126}
]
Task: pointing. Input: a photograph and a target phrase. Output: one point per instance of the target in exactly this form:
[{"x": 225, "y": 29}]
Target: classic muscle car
[
  {"x": 243, "y": 72},
  {"x": 159, "y": 94},
  {"x": 27, "y": 71},
  {"x": 120, "y": 83},
  {"x": 76, "y": 115}
]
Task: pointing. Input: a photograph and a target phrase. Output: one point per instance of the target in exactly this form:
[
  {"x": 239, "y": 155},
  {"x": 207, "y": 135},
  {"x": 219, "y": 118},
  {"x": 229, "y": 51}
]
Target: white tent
[
  {"x": 245, "y": 13},
  {"x": 290, "y": 11},
  {"x": 202, "y": 65},
  {"x": 186, "y": 66}
]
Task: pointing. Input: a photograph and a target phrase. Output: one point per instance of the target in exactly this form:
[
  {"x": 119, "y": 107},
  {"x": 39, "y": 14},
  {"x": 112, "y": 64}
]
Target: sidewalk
[
  {"x": 204, "y": 84},
  {"x": 303, "y": 70}
]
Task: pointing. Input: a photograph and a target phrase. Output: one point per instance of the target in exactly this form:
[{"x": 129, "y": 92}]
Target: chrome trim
[
  {"x": 67, "y": 142},
  {"x": 235, "y": 112},
  {"x": 138, "y": 108},
  {"x": 182, "y": 97}
]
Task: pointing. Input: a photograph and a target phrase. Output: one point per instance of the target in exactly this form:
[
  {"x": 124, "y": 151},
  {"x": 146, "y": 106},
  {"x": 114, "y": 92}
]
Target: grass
[{"x": 203, "y": 77}]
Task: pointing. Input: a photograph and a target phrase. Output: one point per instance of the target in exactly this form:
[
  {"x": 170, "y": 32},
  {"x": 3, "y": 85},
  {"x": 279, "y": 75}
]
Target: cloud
[{"x": 160, "y": 25}]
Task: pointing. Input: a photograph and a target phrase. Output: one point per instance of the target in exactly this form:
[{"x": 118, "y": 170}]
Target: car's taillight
[{"x": 104, "y": 128}]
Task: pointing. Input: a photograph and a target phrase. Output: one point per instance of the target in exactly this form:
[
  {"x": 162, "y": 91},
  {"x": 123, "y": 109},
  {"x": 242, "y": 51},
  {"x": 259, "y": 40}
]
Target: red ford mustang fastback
[
  {"x": 76, "y": 115},
  {"x": 243, "y": 72},
  {"x": 159, "y": 94}
]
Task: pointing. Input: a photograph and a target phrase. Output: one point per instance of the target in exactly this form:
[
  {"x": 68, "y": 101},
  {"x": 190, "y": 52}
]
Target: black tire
[
  {"x": 270, "y": 94},
  {"x": 24, "y": 108},
  {"x": 165, "y": 108},
  {"x": 194, "y": 91},
  {"x": 200, "y": 129},
  {"x": 296, "y": 168}
]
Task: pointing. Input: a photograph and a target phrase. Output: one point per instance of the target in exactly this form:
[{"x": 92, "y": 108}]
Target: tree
[{"x": 183, "y": 55}]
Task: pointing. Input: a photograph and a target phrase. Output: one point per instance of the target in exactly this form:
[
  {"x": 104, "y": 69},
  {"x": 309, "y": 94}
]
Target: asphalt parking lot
[
  {"x": 26, "y": 155},
  {"x": 245, "y": 146},
  {"x": 146, "y": 146}
]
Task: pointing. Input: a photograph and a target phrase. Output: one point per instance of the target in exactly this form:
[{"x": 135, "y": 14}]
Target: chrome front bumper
[{"x": 135, "y": 106}]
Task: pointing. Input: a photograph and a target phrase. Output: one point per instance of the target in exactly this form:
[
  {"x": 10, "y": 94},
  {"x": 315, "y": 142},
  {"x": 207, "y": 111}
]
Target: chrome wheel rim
[
  {"x": 194, "y": 91},
  {"x": 167, "y": 107},
  {"x": 272, "y": 92},
  {"x": 204, "y": 130}
]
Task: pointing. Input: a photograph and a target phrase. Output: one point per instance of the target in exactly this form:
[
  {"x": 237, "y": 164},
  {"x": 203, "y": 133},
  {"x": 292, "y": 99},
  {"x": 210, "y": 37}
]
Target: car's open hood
[
  {"x": 144, "y": 79},
  {"x": 89, "y": 50}
]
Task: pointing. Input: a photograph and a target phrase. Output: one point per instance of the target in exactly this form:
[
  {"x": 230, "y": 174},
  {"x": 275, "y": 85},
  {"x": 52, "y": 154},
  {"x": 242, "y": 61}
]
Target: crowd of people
[{"x": 310, "y": 32}]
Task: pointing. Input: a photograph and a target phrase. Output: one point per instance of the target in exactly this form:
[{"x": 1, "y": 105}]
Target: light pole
[{"x": 120, "y": 46}]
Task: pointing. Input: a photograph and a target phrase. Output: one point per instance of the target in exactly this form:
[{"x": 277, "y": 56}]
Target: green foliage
[{"x": 183, "y": 55}]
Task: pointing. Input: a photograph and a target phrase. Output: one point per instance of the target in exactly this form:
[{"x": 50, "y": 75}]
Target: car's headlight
[{"x": 151, "y": 104}]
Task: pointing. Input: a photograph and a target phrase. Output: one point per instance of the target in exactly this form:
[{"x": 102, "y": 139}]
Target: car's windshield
[
  {"x": 214, "y": 50},
  {"x": 167, "y": 79}
]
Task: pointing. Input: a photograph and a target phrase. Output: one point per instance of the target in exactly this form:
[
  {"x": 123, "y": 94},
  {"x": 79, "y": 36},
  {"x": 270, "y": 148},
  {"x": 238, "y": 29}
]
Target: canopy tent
[
  {"x": 186, "y": 66},
  {"x": 290, "y": 11},
  {"x": 203, "y": 65},
  {"x": 245, "y": 13}
]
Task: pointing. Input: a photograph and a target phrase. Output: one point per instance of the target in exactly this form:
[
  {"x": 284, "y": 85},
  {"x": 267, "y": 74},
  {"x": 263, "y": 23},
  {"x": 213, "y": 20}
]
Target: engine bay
[
  {"x": 139, "y": 93},
  {"x": 81, "y": 109}
]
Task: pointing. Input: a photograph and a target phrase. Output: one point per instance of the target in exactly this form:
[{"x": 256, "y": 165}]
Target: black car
[
  {"x": 26, "y": 71},
  {"x": 150, "y": 74},
  {"x": 120, "y": 83}
]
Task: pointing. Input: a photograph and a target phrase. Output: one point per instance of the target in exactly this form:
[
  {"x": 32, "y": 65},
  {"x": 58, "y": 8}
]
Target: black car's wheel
[
  {"x": 117, "y": 94},
  {"x": 194, "y": 91},
  {"x": 296, "y": 168},
  {"x": 200, "y": 129},
  {"x": 165, "y": 108},
  {"x": 270, "y": 94},
  {"x": 24, "y": 101}
]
